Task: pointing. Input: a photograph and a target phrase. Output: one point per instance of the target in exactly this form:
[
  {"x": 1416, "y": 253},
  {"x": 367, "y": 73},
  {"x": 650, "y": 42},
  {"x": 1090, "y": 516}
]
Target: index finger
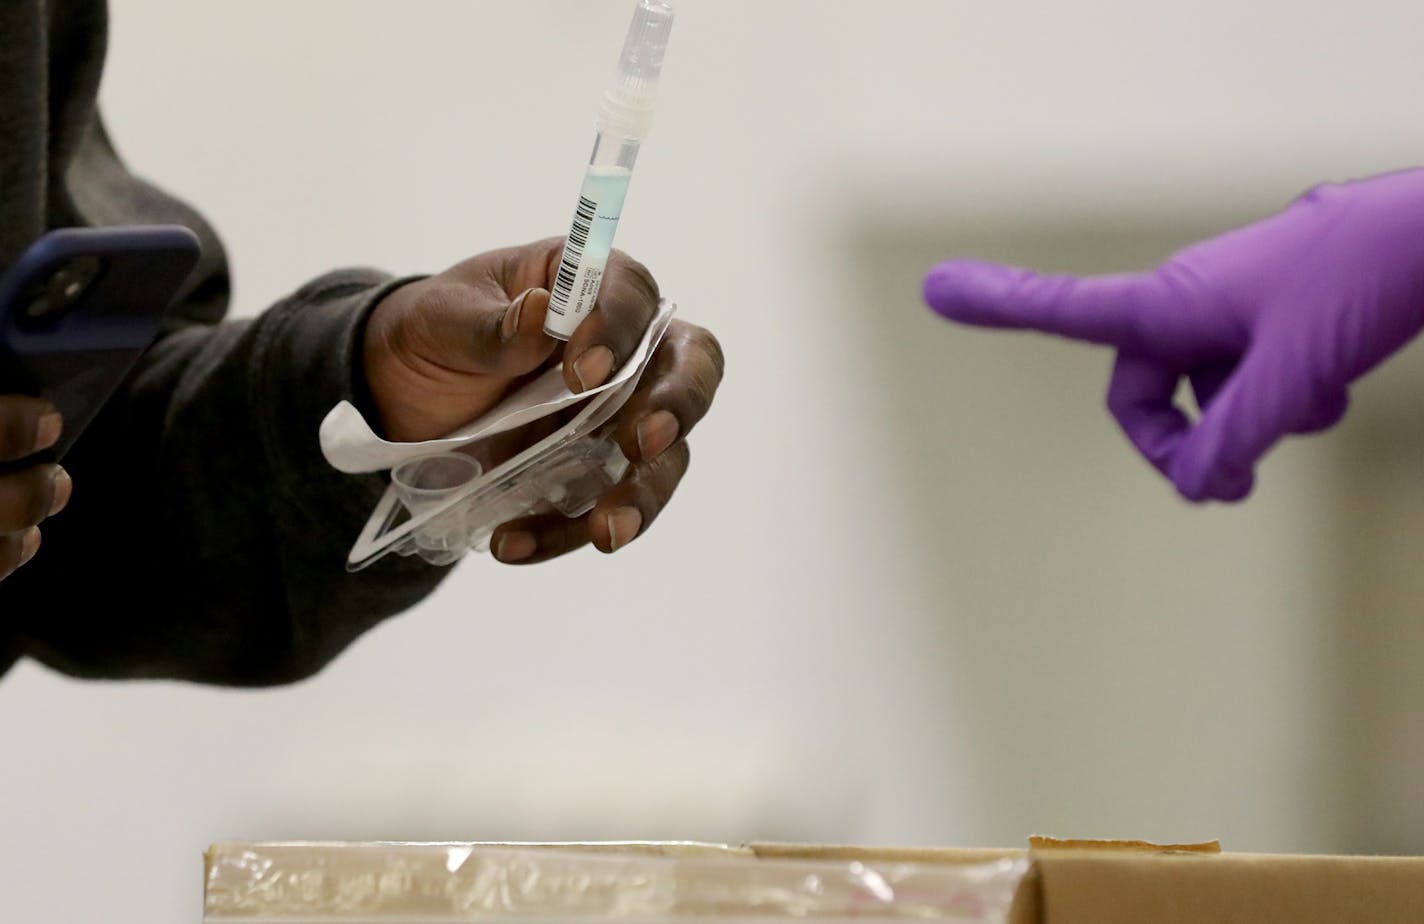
[
  {"x": 627, "y": 303},
  {"x": 676, "y": 392},
  {"x": 1097, "y": 309}
]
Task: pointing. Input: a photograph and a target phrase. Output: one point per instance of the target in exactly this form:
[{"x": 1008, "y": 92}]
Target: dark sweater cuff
[{"x": 309, "y": 360}]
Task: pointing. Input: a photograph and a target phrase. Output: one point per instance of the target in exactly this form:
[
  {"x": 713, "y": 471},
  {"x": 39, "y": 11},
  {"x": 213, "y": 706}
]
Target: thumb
[
  {"x": 1272, "y": 395},
  {"x": 1099, "y": 309},
  {"x": 472, "y": 330}
]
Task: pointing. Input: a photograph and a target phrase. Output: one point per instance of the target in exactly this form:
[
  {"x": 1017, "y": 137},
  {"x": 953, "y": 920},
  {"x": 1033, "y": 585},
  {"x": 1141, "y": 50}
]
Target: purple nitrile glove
[{"x": 1271, "y": 323}]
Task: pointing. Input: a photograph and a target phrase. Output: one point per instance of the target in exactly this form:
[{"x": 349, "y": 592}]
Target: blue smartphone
[{"x": 79, "y": 308}]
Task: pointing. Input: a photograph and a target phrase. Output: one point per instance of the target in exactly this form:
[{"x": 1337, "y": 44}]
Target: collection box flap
[{"x": 1087, "y": 887}]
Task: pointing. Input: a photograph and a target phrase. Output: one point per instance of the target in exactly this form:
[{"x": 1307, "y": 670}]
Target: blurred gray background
[{"x": 916, "y": 589}]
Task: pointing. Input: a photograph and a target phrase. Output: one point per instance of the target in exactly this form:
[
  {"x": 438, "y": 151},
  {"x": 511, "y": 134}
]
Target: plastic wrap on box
[{"x": 454, "y": 883}]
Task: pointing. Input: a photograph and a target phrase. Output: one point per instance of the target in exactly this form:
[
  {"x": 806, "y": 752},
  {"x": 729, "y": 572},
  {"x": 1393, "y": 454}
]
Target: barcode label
[
  {"x": 590, "y": 245},
  {"x": 573, "y": 256}
]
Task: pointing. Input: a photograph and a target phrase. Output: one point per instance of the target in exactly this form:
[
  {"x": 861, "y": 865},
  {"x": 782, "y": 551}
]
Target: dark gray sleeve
[{"x": 207, "y": 537}]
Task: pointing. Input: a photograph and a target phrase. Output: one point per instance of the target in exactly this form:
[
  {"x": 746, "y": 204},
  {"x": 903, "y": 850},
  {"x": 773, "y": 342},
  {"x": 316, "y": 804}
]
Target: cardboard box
[
  {"x": 1051, "y": 884},
  {"x": 1107, "y": 885}
]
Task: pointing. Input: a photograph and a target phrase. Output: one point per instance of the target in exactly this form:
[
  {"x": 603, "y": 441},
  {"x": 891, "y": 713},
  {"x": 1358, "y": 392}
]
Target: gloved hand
[{"x": 1271, "y": 324}]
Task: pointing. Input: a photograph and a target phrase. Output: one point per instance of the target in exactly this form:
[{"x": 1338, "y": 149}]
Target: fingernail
[
  {"x": 516, "y": 547},
  {"x": 63, "y": 488},
  {"x": 656, "y": 433},
  {"x": 594, "y": 367},
  {"x": 624, "y": 525},
  {"x": 50, "y": 427},
  {"x": 30, "y": 547},
  {"x": 510, "y": 328}
]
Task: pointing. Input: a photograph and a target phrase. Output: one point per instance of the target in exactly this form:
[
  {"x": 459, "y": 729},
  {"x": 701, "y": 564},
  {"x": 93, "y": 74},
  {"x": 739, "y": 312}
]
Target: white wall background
[{"x": 874, "y": 614}]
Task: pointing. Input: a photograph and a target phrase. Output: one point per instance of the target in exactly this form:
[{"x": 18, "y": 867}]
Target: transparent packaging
[
  {"x": 443, "y": 505},
  {"x": 457, "y": 883}
]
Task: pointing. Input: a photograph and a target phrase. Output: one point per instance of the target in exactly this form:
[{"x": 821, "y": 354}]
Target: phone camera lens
[
  {"x": 49, "y": 302},
  {"x": 39, "y": 309}
]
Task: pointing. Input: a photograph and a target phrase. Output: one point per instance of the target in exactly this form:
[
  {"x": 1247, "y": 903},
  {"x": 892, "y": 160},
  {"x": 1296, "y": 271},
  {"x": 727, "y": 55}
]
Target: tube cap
[{"x": 627, "y": 110}]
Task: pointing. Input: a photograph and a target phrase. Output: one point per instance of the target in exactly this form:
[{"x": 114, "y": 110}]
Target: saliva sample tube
[{"x": 624, "y": 121}]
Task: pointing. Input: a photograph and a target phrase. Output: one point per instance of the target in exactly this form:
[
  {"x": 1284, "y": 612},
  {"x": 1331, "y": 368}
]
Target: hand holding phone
[
  {"x": 28, "y": 496},
  {"x": 77, "y": 311}
]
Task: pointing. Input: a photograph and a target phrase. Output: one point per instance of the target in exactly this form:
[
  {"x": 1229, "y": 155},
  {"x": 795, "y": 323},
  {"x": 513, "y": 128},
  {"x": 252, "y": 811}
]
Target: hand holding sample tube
[
  {"x": 441, "y": 352},
  {"x": 428, "y": 375},
  {"x": 1271, "y": 324}
]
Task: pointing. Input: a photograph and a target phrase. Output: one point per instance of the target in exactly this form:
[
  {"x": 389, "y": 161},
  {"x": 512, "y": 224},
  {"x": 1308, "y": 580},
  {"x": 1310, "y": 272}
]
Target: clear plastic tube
[{"x": 624, "y": 122}]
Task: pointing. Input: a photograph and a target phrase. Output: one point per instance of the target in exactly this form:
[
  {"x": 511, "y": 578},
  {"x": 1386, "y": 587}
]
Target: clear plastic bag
[
  {"x": 447, "y": 498},
  {"x": 461, "y": 883}
]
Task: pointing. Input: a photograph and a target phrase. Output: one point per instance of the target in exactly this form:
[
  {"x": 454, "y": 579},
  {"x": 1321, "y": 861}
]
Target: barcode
[{"x": 573, "y": 256}]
